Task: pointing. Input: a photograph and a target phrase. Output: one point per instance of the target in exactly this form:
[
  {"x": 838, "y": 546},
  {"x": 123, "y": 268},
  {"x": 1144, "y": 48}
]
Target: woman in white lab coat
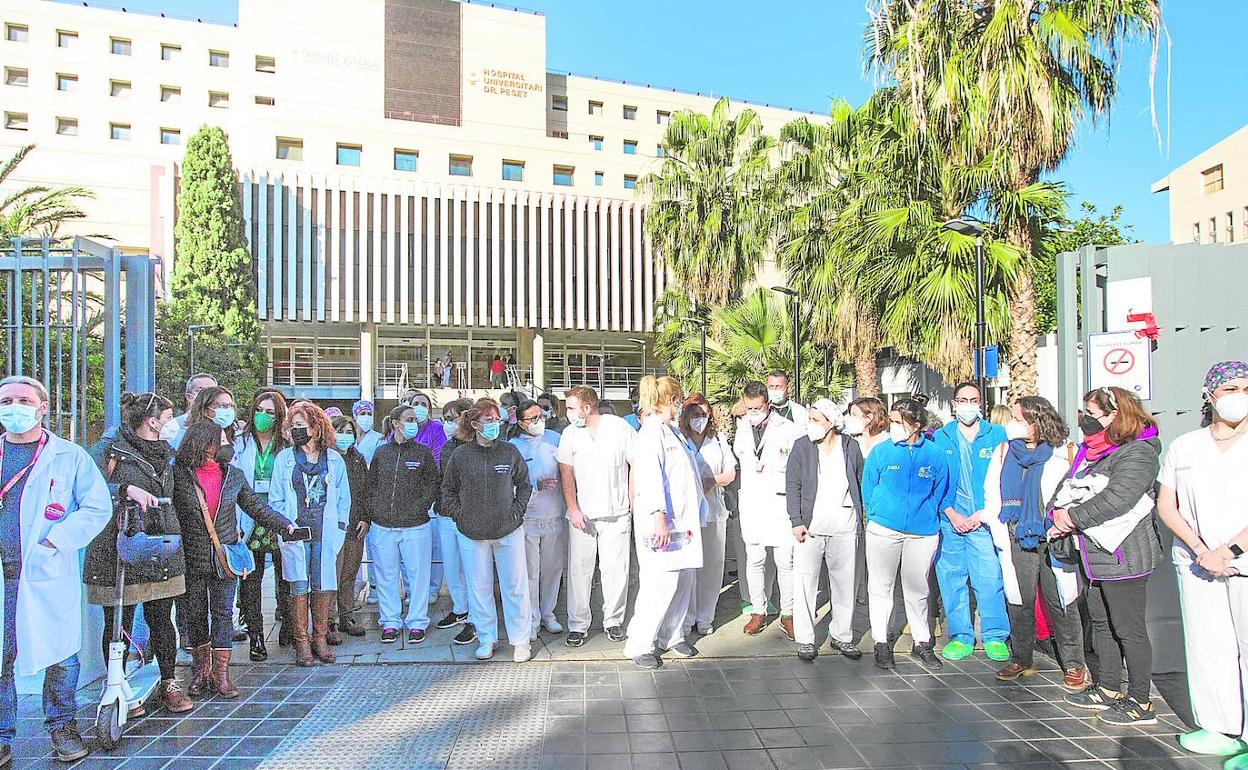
[
  {"x": 697, "y": 423},
  {"x": 669, "y": 510}
]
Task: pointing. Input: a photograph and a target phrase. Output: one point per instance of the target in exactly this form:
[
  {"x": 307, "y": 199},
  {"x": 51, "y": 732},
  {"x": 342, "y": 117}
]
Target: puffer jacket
[
  {"x": 235, "y": 493},
  {"x": 129, "y": 468},
  {"x": 1131, "y": 471},
  {"x": 357, "y": 478}
]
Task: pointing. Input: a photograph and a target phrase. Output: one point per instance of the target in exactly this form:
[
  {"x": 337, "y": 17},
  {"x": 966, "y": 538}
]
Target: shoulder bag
[{"x": 233, "y": 561}]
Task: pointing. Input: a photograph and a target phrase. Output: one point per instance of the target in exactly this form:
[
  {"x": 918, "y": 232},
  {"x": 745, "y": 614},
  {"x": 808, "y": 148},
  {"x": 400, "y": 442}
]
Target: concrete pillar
[
  {"x": 368, "y": 361},
  {"x": 539, "y": 361}
]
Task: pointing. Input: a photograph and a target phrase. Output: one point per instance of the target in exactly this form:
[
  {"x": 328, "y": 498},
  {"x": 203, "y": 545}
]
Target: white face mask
[
  {"x": 776, "y": 396},
  {"x": 756, "y": 418},
  {"x": 168, "y": 431},
  {"x": 1016, "y": 429},
  {"x": 1232, "y": 407},
  {"x": 897, "y": 433},
  {"x": 854, "y": 426},
  {"x": 967, "y": 414},
  {"x": 817, "y": 432},
  {"x": 536, "y": 428},
  {"x": 576, "y": 421},
  {"x": 698, "y": 424}
]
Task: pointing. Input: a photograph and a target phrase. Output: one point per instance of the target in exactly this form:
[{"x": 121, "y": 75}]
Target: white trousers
[
  {"x": 609, "y": 542},
  {"x": 546, "y": 551},
  {"x": 405, "y": 552},
  {"x": 1215, "y": 629},
  {"x": 480, "y": 559},
  {"x": 446, "y": 566},
  {"x": 709, "y": 579},
  {"x": 659, "y": 612},
  {"x": 886, "y": 550},
  {"x": 839, "y": 552},
  {"x": 756, "y": 566}
]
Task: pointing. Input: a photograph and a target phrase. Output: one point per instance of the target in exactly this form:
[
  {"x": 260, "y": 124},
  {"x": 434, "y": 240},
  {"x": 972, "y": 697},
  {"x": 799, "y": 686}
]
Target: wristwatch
[{"x": 1236, "y": 551}]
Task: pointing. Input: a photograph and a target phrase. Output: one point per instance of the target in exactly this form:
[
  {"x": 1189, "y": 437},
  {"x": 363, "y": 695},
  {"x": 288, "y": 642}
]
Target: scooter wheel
[{"x": 108, "y": 726}]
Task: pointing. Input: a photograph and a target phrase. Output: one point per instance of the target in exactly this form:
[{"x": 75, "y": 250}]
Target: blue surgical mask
[
  {"x": 450, "y": 428},
  {"x": 344, "y": 441},
  {"x": 546, "y": 413},
  {"x": 422, "y": 412},
  {"x": 224, "y": 416},
  {"x": 19, "y": 418},
  {"x": 491, "y": 429},
  {"x": 576, "y": 421},
  {"x": 410, "y": 429},
  {"x": 503, "y": 414},
  {"x": 365, "y": 421}
]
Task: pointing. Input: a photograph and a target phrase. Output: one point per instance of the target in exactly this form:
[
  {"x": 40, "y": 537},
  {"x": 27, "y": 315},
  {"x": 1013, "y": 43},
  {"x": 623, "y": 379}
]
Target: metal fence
[{"x": 75, "y": 315}]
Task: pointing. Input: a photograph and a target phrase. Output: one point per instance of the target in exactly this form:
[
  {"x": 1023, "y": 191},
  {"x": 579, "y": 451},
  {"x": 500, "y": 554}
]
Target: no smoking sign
[{"x": 1120, "y": 360}]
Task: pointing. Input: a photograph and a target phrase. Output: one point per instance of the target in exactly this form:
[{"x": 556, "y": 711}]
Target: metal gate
[{"x": 76, "y": 315}]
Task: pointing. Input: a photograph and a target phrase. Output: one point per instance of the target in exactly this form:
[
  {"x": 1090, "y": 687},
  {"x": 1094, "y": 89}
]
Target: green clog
[
  {"x": 997, "y": 651},
  {"x": 1236, "y": 763},
  {"x": 1210, "y": 743},
  {"x": 957, "y": 650}
]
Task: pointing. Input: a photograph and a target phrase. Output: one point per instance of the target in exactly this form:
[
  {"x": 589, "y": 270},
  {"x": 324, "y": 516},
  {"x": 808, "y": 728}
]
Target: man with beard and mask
[
  {"x": 966, "y": 553},
  {"x": 778, "y": 397},
  {"x": 762, "y": 444},
  {"x": 545, "y": 520}
]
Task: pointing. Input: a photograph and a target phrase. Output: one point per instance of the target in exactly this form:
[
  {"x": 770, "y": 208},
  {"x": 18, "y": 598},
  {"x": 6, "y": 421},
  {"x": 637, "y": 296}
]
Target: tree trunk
[
  {"x": 1024, "y": 376},
  {"x": 866, "y": 378}
]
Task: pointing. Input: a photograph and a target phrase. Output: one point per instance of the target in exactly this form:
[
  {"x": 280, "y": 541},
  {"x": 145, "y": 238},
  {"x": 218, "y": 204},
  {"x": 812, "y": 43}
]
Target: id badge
[
  {"x": 262, "y": 487},
  {"x": 54, "y": 512},
  {"x": 759, "y": 466}
]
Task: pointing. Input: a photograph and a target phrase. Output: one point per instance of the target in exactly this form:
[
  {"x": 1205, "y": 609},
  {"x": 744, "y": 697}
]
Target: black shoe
[
  {"x": 452, "y": 619},
  {"x": 575, "y": 639},
  {"x": 926, "y": 656},
  {"x": 647, "y": 661},
  {"x": 258, "y": 651},
  {"x": 415, "y": 635},
  {"x": 67, "y": 745},
  {"x": 848, "y": 649},
  {"x": 389, "y": 635},
  {"x": 884, "y": 656},
  {"x": 1093, "y": 699},
  {"x": 466, "y": 636},
  {"x": 1127, "y": 712},
  {"x": 284, "y": 636},
  {"x": 240, "y": 634},
  {"x": 616, "y": 634},
  {"x": 807, "y": 652}
]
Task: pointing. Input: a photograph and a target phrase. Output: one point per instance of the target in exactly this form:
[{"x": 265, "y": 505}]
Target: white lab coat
[
  {"x": 764, "y": 516},
  {"x": 285, "y": 500},
  {"x": 49, "y": 595},
  {"x": 666, "y": 477},
  {"x": 245, "y": 460}
]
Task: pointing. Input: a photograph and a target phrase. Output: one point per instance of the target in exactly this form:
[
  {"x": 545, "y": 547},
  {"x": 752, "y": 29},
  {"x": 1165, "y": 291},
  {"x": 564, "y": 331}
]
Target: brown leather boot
[
  {"x": 786, "y": 625},
  {"x": 201, "y": 671},
  {"x": 349, "y": 625},
  {"x": 334, "y": 637},
  {"x": 755, "y": 625},
  {"x": 221, "y": 673},
  {"x": 172, "y": 697},
  {"x": 297, "y": 618},
  {"x": 321, "y": 602}
]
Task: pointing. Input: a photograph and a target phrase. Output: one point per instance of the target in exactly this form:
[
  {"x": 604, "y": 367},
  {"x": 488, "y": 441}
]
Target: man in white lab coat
[
  {"x": 778, "y": 396},
  {"x": 762, "y": 444},
  {"x": 53, "y": 501}
]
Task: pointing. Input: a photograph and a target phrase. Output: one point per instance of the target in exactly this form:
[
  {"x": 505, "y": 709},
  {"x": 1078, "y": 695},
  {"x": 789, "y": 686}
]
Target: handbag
[{"x": 233, "y": 561}]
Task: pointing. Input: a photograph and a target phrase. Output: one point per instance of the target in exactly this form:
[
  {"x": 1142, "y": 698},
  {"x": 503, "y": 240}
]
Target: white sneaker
[
  {"x": 553, "y": 626},
  {"x": 485, "y": 651},
  {"x": 523, "y": 653}
]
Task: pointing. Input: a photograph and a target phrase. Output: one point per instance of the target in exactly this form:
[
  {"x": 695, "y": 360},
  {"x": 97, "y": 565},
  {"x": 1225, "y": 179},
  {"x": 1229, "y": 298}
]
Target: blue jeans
[
  {"x": 60, "y": 680},
  {"x": 209, "y": 607},
  {"x": 971, "y": 557},
  {"x": 312, "y": 551}
]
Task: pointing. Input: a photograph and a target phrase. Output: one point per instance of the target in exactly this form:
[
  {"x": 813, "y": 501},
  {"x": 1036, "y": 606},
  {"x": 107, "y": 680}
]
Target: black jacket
[
  {"x": 403, "y": 485},
  {"x": 129, "y": 468},
  {"x": 801, "y": 479},
  {"x": 235, "y": 493},
  {"x": 1132, "y": 474},
  {"x": 357, "y": 478},
  {"x": 486, "y": 490}
]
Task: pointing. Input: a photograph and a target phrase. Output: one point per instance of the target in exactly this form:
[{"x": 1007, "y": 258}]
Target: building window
[
  {"x": 596, "y": 141},
  {"x": 630, "y": 112},
  {"x": 119, "y": 88},
  {"x": 266, "y": 101},
  {"x": 119, "y": 46},
  {"x": 218, "y": 59},
  {"x": 16, "y": 121},
  {"x": 563, "y": 176},
  {"x": 65, "y": 39},
  {"x": 266, "y": 64},
  {"x": 1212, "y": 179},
  {"x": 405, "y": 160},
  {"x": 66, "y": 82},
  {"x": 630, "y": 147},
  {"x": 16, "y": 33},
  {"x": 170, "y": 94},
  {"x": 119, "y": 131},
  {"x": 67, "y": 126},
  {"x": 598, "y": 178},
  {"x": 1196, "y": 232},
  {"x": 559, "y": 102},
  {"x": 1230, "y": 227},
  {"x": 289, "y": 149},
  {"x": 1213, "y": 229},
  {"x": 170, "y": 136},
  {"x": 219, "y": 99},
  {"x": 169, "y": 52},
  {"x": 349, "y": 154},
  {"x": 630, "y": 182},
  {"x": 662, "y": 117},
  {"x": 14, "y": 76},
  {"x": 513, "y": 171},
  {"x": 595, "y": 108},
  {"x": 659, "y": 152},
  {"x": 461, "y": 165}
]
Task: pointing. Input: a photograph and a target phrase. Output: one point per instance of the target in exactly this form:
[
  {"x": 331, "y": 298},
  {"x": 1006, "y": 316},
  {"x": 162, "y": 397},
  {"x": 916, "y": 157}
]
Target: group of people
[{"x": 510, "y": 494}]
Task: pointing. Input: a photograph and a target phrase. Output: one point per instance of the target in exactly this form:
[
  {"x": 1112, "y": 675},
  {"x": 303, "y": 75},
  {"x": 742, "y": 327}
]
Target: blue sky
[{"x": 803, "y": 52}]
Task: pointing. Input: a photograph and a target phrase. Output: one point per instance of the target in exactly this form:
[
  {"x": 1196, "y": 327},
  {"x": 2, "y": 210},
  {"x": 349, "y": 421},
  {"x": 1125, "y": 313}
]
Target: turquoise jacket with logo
[
  {"x": 905, "y": 487},
  {"x": 989, "y": 437}
]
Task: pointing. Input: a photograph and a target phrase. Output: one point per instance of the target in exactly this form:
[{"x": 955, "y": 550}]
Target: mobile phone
[{"x": 297, "y": 534}]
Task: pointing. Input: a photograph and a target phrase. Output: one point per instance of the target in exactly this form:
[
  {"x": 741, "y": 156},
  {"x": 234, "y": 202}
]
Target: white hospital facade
[{"x": 415, "y": 180}]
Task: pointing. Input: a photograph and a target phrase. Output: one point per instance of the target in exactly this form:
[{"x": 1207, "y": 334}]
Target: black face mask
[
  {"x": 299, "y": 436},
  {"x": 225, "y": 454},
  {"x": 1090, "y": 425}
]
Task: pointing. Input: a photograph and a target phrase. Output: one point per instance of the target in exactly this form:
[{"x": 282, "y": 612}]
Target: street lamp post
[
  {"x": 797, "y": 338},
  {"x": 643, "y": 343},
  {"x": 967, "y": 226},
  {"x": 701, "y": 324},
  {"x": 190, "y": 337}
]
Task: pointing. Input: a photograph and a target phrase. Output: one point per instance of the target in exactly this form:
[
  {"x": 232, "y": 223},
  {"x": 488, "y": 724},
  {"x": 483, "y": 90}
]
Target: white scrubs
[
  {"x": 405, "y": 551},
  {"x": 832, "y": 540},
  {"x": 506, "y": 555},
  {"x": 1213, "y": 499},
  {"x": 764, "y": 519},
  {"x": 545, "y": 527},
  {"x": 709, "y": 581}
]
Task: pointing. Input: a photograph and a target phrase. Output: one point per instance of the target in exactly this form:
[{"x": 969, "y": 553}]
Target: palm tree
[
  {"x": 1009, "y": 79},
  {"x": 708, "y": 206},
  {"x": 37, "y": 211}
]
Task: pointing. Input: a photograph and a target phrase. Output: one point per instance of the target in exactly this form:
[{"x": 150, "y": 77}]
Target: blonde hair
[{"x": 653, "y": 391}]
